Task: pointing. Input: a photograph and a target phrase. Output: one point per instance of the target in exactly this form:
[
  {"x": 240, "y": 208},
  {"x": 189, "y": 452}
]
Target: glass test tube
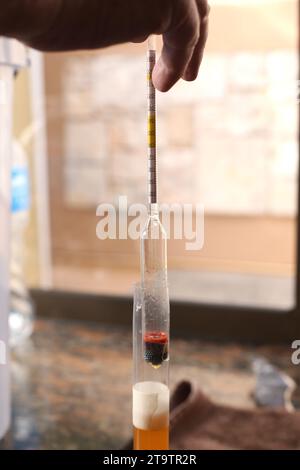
[
  {"x": 151, "y": 309},
  {"x": 150, "y": 411}
]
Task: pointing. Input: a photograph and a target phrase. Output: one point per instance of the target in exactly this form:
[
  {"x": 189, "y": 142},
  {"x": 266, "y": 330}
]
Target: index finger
[{"x": 192, "y": 70}]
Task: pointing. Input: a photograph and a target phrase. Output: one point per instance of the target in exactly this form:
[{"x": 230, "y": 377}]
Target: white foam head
[{"x": 150, "y": 407}]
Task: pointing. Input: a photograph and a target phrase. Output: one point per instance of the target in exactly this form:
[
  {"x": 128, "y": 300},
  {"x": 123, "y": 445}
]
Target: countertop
[{"x": 71, "y": 382}]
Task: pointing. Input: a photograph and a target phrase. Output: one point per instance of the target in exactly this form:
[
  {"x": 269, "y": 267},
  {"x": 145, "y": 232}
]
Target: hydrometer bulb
[{"x": 156, "y": 299}]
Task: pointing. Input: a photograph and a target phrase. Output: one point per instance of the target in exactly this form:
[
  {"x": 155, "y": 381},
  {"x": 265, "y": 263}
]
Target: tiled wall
[{"x": 229, "y": 140}]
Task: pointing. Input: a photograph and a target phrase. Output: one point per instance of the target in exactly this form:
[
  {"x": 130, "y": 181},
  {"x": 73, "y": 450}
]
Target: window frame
[{"x": 205, "y": 321}]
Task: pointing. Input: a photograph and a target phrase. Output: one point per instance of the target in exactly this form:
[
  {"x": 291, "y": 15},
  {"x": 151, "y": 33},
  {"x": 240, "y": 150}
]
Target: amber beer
[
  {"x": 151, "y": 416},
  {"x": 151, "y": 439}
]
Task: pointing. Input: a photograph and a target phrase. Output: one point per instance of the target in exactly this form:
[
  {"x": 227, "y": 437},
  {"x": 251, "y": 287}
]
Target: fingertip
[
  {"x": 192, "y": 71},
  {"x": 164, "y": 78},
  {"x": 190, "y": 76},
  {"x": 162, "y": 86},
  {"x": 161, "y": 83}
]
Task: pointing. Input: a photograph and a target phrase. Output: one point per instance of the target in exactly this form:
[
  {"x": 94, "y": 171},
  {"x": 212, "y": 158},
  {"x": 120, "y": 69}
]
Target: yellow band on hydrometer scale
[{"x": 151, "y": 131}]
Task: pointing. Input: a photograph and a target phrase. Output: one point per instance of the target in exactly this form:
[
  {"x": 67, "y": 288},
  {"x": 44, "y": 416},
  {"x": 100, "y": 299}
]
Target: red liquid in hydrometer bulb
[{"x": 156, "y": 347}]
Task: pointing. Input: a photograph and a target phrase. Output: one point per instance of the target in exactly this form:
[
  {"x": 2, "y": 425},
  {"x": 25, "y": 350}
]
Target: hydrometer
[
  {"x": 151, "y": 308},
  {"x": 154, "y": 244}
]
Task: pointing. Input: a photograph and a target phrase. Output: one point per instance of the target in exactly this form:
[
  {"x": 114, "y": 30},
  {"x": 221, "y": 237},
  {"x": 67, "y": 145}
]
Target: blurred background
[{"x": 228, "y": 141}]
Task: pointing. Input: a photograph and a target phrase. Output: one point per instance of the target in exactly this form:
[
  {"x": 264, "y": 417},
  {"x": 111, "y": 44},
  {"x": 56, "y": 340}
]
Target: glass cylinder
[
  {"x": 150, "y": 407},
  {"x": 6, "y": 96},
  {"x": 12, "y": 57}
]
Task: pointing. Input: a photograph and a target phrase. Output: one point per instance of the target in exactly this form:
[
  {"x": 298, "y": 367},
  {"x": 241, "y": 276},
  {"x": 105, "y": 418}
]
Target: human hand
[{"x": 62, "y": 25}]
